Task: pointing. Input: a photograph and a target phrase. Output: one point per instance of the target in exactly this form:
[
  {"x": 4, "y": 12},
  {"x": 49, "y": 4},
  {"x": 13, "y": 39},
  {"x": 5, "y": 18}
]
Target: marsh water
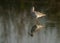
[
  {"x": 15, "y": 25},
  {"x": 14, "y": 28}
]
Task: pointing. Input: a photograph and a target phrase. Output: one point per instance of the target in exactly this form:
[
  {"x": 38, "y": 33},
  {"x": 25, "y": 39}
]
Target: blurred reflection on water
[{"x": 14, "y": 28}]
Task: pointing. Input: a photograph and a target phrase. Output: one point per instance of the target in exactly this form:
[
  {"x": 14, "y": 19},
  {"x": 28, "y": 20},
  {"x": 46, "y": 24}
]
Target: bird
[
  {"x": 36, "y": 28},
  {"x": 36, "y": 14}
]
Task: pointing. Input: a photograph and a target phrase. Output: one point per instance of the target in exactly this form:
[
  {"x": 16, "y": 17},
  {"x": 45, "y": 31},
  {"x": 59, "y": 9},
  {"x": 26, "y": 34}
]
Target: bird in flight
[
  {"x": 36, "y": 13},
  {"x": 37, "y": 26}
]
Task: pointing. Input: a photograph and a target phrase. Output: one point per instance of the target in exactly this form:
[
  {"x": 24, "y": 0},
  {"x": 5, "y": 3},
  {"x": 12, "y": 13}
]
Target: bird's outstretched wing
[{"x": 36, "y": 13}]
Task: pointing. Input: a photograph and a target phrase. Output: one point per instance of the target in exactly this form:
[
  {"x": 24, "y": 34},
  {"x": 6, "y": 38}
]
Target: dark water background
[{"x": 16, "y": 21}]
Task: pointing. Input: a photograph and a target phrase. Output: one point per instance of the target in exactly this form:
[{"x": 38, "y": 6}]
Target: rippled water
[{"x": 14, "y": 29}]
